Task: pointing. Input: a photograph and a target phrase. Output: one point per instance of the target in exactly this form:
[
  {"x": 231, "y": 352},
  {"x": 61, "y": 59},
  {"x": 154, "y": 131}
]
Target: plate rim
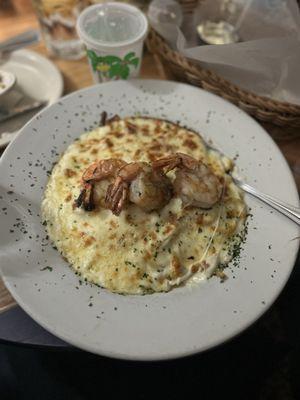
[{"x": 216, "y": 343}]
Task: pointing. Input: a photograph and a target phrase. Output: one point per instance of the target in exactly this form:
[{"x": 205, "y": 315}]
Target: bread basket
[{"x": 185, "y": 70}]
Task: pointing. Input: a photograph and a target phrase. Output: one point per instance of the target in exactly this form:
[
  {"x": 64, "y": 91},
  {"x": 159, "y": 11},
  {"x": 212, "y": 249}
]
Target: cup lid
[{"x": 111, "y": 25}]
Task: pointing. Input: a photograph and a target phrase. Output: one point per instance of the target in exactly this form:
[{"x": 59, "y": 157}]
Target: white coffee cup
[{"x": 113, "y": 34}]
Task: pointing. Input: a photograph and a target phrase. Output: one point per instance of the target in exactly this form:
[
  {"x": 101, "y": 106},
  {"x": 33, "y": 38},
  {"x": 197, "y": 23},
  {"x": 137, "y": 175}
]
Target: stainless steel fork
[
  {"x": 293, "y": 213},
  {"x": 286, "y": 209}
]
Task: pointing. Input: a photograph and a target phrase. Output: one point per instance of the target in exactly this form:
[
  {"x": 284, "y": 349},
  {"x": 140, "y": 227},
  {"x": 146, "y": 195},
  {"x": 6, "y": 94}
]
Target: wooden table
[{"x": 76, "y": 75}]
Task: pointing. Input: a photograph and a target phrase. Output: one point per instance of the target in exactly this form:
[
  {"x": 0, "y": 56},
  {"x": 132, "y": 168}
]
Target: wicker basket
[{"x": 262, "y": 108}]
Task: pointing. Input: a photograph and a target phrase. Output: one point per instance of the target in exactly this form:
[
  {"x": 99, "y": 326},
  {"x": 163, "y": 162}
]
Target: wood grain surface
[{"x": 16, "y": 19}]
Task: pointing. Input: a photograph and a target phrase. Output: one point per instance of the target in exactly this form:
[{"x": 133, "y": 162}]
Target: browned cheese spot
[
  {"x": 155, "y": 146},
  {"x": 172, "y": 218},
  {"x": 168, "y": 229},
  {"x": 213, "y": 250},
  {"x": 147, "y": 255},
  {"x": 93, "y": 141},
  {"x": 88, "y": 241},
  {"x": 153, "y": 235},
  {"x": 190, "y": 144},
  {"x": 132, "y": 128},
  {"x": 176, "y": 265},
  {"x": 108, "y": 143},
  {"x": 145, "y": 130},
  {"x": 69, "y": 173},
  {"x": 230, "y": 213},
  {"x": 199, "y": 220},
  {"x": 137, "y": 153},
  {"x": 117, "y": 134},
  {"x": 133, "y": 278},
  {"x": 68, "y": 198},
  {"x": 113, "y": 224},
  {"x": 195, "y": 268},
  {"x": 118, "y": 154},
  {"x": 158, "y": 126},
  {"x": 145, "y": 133}
]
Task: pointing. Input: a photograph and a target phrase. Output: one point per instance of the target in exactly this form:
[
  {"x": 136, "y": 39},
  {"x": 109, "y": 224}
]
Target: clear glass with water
[
  {"x": 218, "y": 21},
  {"x": 57, "y": 19}
]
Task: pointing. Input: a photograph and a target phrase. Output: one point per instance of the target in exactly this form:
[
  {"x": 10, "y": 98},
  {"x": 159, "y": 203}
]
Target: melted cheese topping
[{"x": 141, "y": 252}]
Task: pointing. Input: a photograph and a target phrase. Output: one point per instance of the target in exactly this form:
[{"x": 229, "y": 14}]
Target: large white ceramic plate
[{"x": 159, "y": 326}]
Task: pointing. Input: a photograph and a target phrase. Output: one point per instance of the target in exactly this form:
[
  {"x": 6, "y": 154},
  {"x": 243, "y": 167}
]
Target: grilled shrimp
[
  {"x": 137, "y": 182},
  {"x": 194, "y": 182},
  {"x": 96, "y": 172}
]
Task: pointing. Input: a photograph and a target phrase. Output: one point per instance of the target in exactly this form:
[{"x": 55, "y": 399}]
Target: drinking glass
[
  {"x": 218, "y": 21},
  {"x": 58, "y": 25}
]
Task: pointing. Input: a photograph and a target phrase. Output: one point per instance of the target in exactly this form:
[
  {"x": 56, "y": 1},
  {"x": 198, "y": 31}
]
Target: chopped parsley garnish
[
  {"x": 47, "y": 268},
  {"x": 130, "y": 263}
]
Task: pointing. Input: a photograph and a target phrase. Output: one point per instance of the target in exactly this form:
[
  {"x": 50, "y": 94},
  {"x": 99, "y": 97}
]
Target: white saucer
[{"x": 37, "y": 77}]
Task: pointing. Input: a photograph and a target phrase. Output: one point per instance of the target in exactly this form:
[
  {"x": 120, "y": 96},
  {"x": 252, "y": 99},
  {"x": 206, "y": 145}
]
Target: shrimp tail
[
  {"x": 80, "y": 198},
  {"x": 166, "y": 163},
  {"x": 85, "y": 198},
  {"x": 116, "y": 196}
]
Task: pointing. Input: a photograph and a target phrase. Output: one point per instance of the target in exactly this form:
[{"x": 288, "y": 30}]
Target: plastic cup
[{"x": 113, "y": 34}]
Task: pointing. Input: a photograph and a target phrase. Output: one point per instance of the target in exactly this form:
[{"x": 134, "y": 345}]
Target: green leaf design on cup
[
  {"x": 131, "y": 59},
  {"x": 112, "y": 66},
  {"x": 93, "y": 58}
]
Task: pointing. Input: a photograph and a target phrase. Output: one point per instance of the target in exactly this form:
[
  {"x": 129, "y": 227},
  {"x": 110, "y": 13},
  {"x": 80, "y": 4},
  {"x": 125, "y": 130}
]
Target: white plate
[
  {"x": 159, "y": 326},
  {"x": 7, "y": 81},
  {"x": 37, "y": 77}
]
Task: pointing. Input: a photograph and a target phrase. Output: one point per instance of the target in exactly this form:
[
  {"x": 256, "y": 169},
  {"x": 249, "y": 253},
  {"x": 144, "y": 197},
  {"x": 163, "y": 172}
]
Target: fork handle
[{"x": 290, "y": 211}]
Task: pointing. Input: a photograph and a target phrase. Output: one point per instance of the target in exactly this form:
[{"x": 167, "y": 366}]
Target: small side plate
[{"x": 29, "y": 66}]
